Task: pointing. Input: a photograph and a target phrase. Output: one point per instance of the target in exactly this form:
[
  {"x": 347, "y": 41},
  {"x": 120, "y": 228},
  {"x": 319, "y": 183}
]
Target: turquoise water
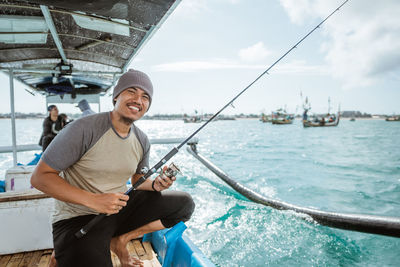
[{"x": 352, "y": 168}]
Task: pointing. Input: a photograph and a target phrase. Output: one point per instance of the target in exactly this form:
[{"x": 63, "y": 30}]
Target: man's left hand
[{"x": 163, "y": 182}]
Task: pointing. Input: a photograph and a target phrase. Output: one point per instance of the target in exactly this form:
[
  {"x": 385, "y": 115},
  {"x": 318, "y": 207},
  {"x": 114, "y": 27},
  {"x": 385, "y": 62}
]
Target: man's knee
[
  {"x": 188, "y": 206},
  {"x": 181, "y": 210}
]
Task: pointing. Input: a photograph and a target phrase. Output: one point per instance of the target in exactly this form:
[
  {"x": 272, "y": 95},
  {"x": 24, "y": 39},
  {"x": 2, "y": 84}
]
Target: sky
[{"x": 207, "y": 51}]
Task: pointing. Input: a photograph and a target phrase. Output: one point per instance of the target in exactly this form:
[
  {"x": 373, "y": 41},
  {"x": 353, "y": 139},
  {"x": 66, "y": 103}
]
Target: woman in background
[{"x": 51, "y": 126}]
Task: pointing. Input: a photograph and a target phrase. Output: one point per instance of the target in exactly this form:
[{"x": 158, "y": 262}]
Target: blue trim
[{"x": 175, "y": 249}]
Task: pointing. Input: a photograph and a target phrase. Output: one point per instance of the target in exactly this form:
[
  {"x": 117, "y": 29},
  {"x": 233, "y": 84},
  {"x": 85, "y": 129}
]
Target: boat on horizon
[
  {"x": 393, "y": 118},
  {"x": 281, "y": 117},
  {"x": 322, "y": 120}
]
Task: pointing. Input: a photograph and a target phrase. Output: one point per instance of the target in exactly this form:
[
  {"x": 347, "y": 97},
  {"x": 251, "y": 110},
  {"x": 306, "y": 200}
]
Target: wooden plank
[
  {"x": 26, "y": 259},
  {"x": 148, "y": 249},
  {"x": 15, "y": 260},
  {"x": 41, "y": 258},
  {"x": 4, "y": 259},
  {"x": 131, "y": 249},
  {"x": 139, "y": 249},
  {"x": 35, "y": 258},
  {"x": 151, "y": 255},
  {"x": 153, "y": 262},
  {"x": 45, "y": 259}
]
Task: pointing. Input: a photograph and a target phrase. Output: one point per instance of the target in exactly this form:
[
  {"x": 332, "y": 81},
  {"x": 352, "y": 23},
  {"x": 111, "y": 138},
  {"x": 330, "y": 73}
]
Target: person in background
[
  {"x": 83, "y": 105},
  {"x": 65, "y": 119},
  {"x": 86, "y": 169},
  {"x": 52, "y": 125}
]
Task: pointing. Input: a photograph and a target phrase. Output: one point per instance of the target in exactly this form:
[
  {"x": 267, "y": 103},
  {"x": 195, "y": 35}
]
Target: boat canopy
[{"x": 75, "y": 47}]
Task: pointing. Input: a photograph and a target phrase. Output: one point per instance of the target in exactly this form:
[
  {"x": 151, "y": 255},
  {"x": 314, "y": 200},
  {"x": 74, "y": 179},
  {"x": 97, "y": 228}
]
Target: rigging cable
[{"x": 85, "y": 229}]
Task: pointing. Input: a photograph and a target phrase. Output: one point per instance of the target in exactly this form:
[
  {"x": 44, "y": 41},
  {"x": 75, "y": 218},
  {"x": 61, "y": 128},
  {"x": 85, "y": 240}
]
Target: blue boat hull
[{"x": 175, "y": 249}]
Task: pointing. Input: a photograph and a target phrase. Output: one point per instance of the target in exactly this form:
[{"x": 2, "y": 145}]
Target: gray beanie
[{"x": 133, "y": 78}]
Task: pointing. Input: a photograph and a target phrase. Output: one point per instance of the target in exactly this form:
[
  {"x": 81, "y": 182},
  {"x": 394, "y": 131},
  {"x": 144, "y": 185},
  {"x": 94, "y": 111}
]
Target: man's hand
[
  {"x": 108, "y": 203},
  {"x": 163, "y": 182}
]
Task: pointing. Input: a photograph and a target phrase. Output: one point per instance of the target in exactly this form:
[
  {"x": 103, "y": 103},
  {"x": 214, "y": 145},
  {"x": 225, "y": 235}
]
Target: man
[
  {"x": 51, "y": 126},
  {"x": 83, "y": 105},
  {"x": 96, "y": 155}
]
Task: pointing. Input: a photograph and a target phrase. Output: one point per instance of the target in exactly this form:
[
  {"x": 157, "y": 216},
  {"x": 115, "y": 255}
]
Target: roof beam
[
  {"x": 2, "y": 33},
  {"x": 50, "y": 71},
  {"x": 50, "y": 24},
  {"x": 77, "y": 14},
  {"x": 97, "y": 40},
  {"x": 75, "y": 36},
  {"x": 68, "y": 50}
]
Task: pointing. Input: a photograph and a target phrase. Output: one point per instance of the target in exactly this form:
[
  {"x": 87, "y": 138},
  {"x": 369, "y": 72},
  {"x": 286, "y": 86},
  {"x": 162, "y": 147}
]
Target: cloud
[
  {"x": 363, "y": 40},
  {"x": 256, "y": 52}
]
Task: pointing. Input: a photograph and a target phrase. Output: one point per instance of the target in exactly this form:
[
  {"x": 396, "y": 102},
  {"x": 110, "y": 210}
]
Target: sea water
[{"x": 351, "y": 168}]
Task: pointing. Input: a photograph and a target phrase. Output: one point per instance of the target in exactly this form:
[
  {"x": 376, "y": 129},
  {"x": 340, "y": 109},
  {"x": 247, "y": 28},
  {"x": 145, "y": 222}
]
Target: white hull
[{"x": 25, "y": 224}]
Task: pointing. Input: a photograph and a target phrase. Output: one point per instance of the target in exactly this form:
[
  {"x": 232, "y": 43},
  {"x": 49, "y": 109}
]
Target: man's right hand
[
  {"x": 108, "y": 203},
  {"x": 47, "y": 180}
]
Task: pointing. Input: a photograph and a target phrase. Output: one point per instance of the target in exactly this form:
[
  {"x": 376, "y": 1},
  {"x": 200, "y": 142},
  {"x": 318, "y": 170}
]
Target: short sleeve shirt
[{"x": 91, "y": 155}]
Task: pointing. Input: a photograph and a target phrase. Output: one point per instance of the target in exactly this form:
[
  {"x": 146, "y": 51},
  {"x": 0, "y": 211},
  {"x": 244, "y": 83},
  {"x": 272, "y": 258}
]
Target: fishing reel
[{"x": 171, "y": 171}]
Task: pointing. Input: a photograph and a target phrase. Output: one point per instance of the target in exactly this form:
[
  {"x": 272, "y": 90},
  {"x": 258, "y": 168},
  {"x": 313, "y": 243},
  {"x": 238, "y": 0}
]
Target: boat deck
[{"x": 41, "y": 258}]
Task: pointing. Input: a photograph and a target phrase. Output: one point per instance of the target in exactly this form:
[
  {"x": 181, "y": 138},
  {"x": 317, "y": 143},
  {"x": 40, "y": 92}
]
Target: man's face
[
  {"x": 132, "y": 103},
  {"x": 54, "y": 111}
]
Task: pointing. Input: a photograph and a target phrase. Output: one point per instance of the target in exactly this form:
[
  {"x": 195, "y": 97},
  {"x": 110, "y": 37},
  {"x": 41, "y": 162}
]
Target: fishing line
[{"x": 84, "y": 230}]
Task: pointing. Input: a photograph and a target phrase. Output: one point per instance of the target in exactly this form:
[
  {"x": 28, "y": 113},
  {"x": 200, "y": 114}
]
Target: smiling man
[{"x": 86, "y": 168}]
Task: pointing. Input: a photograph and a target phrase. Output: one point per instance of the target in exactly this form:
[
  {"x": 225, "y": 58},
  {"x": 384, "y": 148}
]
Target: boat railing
[{"x": 153, "y": 141}]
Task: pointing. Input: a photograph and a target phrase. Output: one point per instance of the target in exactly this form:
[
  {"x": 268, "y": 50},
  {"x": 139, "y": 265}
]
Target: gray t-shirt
[{"x": 91, "y": 155}]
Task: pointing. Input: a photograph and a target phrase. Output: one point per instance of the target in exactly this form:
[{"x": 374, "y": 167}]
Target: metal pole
[{"x": 14, "y": 137}]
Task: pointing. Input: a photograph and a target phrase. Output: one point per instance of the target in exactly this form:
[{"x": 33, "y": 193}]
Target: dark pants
[
  {"x": 46, "y": 140},
  {"x": 93, "y": 249}
]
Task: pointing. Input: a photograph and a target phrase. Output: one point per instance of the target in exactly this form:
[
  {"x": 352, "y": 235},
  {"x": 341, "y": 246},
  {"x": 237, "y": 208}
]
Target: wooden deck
[{"x": 41, "y": 258}]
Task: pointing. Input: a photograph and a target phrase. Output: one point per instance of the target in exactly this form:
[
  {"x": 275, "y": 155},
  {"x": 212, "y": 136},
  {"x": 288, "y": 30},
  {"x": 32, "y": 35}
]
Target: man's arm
[{"x": 47, "y": 180}]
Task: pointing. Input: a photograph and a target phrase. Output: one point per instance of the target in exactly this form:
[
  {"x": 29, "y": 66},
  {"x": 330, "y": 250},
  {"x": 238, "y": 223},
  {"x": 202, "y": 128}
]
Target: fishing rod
[{"x": 85, "y": 229}]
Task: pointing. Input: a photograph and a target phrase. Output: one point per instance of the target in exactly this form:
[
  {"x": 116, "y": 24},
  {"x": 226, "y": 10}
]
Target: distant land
[{"x": 344, "y": 114}]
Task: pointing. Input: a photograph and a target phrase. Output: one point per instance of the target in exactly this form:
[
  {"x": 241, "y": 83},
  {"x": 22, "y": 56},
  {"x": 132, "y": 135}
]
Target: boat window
[
  {"x": 103, "y": 25},
  {"x": 23, "y": 30}
]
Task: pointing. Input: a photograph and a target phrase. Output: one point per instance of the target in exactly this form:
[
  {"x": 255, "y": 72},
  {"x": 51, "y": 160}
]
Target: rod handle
[{"x": 85, "y": 229}]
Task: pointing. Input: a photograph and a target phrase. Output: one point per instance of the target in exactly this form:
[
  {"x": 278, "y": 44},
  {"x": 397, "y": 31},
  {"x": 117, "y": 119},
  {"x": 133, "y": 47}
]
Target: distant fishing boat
[
  {"x": 281, "y": 117},
  {"x": 393, "y": 118},
  {"x": 192, "y": 118},
  {"x": 326, "y": 120},
  {"x": 352, "y": 119}
]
